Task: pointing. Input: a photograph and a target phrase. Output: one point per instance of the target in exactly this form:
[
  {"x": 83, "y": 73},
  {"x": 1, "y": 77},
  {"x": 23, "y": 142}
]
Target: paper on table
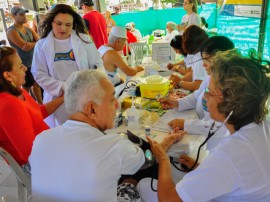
[{"x": 162, "y": 123}]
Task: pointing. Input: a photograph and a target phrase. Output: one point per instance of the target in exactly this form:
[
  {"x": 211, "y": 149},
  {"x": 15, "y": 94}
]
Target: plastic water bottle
[{"x": 133, "y": 116}]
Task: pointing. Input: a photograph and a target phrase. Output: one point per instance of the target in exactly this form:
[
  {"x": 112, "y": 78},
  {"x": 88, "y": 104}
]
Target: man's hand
[
  {"x": 168, "y": 103},
  {"x": 172, "y": 138},
  {"x": 177, "y": 124}
]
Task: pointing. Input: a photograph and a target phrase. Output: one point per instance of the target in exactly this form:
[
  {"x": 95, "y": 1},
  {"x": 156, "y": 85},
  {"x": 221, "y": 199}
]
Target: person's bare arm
[
  {"x": 15, "y": 38},
  {"x": 192, "y": 86},
  {"x": 182, "y": 70},
  {"x": 53, "y": 105},
  {"x": 166, "y": 186},
  {"x": 35, "y": 35},
  {"x": 30, "y": 45},
  {"x": 114, "y": 58},
  {"x": 113, "y": 23},
  {"x": 181, "y": 63},
  {"x": 187, "y": 76},
  {"x": 34, "y": 25}
]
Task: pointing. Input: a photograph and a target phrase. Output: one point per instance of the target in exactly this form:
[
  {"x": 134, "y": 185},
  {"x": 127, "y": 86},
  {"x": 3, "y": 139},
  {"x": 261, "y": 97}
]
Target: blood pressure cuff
[
  {"x": 138, "y": 141},
  {"x": 145, "y": 146}
]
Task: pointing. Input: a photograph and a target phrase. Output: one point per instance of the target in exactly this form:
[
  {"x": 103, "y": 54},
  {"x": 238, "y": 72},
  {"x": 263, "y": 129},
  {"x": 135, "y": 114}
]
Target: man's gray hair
[
  {"x": 112, "y": 39},
  {"x": 82, "y": 87},
  {"x": 171, "y": 25}
]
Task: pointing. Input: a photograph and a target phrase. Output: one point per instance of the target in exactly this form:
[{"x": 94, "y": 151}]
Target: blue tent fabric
[
  {"x": 243, "y": 31},
  {"x": 227, "y": 9}
]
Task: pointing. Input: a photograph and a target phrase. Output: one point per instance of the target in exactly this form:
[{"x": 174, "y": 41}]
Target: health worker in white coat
[
  {"x": 192, "y": 40},
  {"x": 237, "y": 169},
  {"x": 64, "y": 47},
  {"x": 195, "y": 100}
]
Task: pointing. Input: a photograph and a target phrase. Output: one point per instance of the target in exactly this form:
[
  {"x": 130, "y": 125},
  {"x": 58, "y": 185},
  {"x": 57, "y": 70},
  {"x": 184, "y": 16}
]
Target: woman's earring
[{"x": 13, "y": 84}]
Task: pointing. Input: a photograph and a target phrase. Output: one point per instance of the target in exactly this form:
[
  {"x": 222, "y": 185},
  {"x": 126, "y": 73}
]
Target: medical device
[
  {"x": 210, "y": 134},
  {"x": 184, "y": 167}
]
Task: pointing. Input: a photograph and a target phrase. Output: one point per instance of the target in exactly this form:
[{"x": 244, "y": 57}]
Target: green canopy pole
[{"x": 265, "y": 4}]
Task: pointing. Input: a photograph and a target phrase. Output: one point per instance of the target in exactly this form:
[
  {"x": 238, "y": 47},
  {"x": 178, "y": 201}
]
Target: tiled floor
[{"x": 8, "y": 182}]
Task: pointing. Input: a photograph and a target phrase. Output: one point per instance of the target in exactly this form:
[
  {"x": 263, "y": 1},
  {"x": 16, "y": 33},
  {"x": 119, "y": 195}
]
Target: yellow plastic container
[{"x": 153, "y": 86}]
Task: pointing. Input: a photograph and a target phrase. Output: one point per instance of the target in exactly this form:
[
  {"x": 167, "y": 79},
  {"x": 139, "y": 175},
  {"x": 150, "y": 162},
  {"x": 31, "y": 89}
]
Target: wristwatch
[{"x": 180, "y": 84}]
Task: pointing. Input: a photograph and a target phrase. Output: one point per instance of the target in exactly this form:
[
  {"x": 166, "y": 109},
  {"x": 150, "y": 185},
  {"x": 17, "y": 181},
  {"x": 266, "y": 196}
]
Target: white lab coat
[
  {"x": 43, "y": 70},
  {"x": 194, "y": 100},
  {"x": 202, "y": 125}
]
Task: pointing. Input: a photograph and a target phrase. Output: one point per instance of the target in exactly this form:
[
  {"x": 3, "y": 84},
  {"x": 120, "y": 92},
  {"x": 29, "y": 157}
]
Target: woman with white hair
[{"x": 171, "y": 31}]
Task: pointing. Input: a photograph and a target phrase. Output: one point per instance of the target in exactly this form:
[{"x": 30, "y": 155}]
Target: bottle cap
[{"x": 147, "y": 130}]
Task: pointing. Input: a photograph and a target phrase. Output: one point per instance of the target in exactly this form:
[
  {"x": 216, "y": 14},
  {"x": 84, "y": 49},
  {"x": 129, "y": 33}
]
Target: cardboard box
[
  {"x": 162, "y": 52},
  {"x": 139, "y": 103}
]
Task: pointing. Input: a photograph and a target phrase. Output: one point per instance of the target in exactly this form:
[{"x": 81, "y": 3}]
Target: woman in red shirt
[{"x": 21, "y": 118}]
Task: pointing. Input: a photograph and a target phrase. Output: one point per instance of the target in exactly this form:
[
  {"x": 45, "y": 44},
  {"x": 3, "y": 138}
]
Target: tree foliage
[{"x": 166, "y": 2}]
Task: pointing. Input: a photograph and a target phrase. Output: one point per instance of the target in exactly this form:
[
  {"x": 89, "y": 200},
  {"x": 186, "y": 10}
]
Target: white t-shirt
[
  {"x": 194, "y": 100},
  {"x": 64, "y": 59},
  {"x": 196, "y": 63},
  {"x": 77, "y": 163},
  {"x": 192, "y": 19},
  {"x": 137, "y": 34},
  {"x": 236, "y": 170},
  {"x": 171, "y": 35}
]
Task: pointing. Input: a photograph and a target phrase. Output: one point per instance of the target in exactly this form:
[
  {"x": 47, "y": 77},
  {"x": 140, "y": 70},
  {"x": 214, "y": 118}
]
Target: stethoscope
[
  {"x": 209, "y": 135},
  {"x": 184, "y": 167}
]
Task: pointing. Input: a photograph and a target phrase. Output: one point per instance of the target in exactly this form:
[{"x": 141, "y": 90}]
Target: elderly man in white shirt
[{"x": 77, "y": 161}]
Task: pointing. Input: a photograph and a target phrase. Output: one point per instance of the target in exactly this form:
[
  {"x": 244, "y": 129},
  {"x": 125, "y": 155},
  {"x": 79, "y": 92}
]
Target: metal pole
[
  {"x": 216, "y": 13},
  {"x": 35, "y": 5},
  {"x": 265, "y": 4},
  {"x": 3, "y": 19},
  {"x": 36, "y": 9},
  {"x": 97, "y": 5}
]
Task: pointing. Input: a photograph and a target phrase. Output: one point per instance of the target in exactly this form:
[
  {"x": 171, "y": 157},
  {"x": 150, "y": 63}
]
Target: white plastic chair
[
  {"x": 137, "y": 49},
  {"x": 9, "y": 199},
  {"x": 24, "y": 181}
]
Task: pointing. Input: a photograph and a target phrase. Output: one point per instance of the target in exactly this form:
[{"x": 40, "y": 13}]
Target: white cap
[
  {"x": 118, "y": 31},
  {"x": 129, "y": 26}
]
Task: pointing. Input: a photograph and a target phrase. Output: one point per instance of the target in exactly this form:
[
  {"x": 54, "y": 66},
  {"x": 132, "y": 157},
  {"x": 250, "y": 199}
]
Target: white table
[{"x": 188, "y": 144}]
